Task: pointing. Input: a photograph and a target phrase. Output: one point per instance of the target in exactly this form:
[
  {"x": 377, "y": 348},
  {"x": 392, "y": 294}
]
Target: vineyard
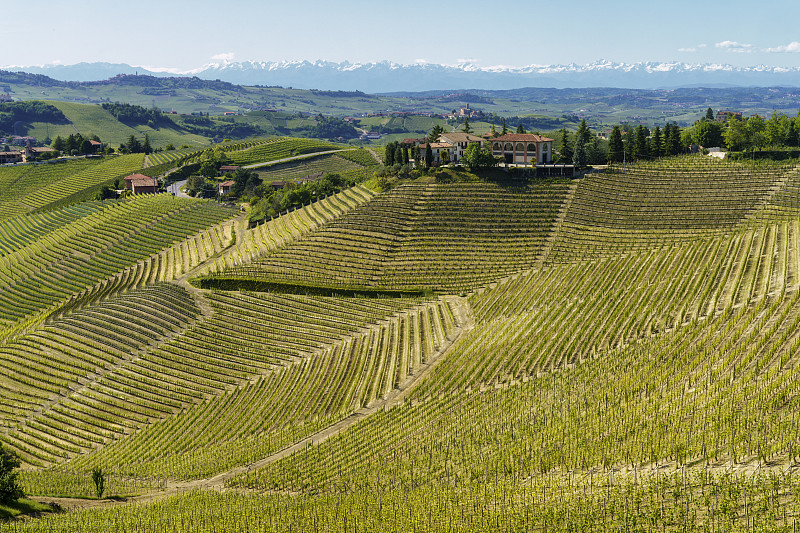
[
  {"x": 615, "y": 353},
  {"x": 278, "y": 148}
]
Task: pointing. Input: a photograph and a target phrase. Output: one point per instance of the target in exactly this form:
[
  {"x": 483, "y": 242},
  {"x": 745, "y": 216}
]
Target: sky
[{"x": 180, "y": 36}]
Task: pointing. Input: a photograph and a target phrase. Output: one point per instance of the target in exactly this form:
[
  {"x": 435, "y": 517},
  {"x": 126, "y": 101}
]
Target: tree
[
  {"x": 476, "y": 156},
  {"x": 628, "y": 143},
  {"x": 564, "y": 148},
  {"x": 405, "y": 154},
  {"x": 656, "y": 148},
  {"x": 756, "y": 132},
  {"x": 10, "y": 488},
  {"x": 444, "y": 157},
  {"x": 428, "y": 156},
  {"x": 583, "y": 131},
  {"x": 466, "y": 128},
  {"x": 579, "y": 156},
  {"x": 640, "y": 150},
  {"x": 106, "y": 192},
  {"x": 169, "y": 147},
  {"x": 673, "y": 140},
  {"x": 245, "y": 182},
  {"x": 146, "y": 148},
  {"x": 521, "y": 129},
  {"x": 708, "y": 134},
  {"x": 709, "y": 114},
  {"x": 494, "y": 131},
  {"x": 433, "y": 136},
  {"x": 736, "y": 135},
  {"x": 133, "y": 145},
  {"x": 99, "y": 478},
  {"x": 398, "y": 153},
  {"x": 615, "y": 148},
  {"x": 505, "y": 129},
  {"x": 388, "y": 154}
]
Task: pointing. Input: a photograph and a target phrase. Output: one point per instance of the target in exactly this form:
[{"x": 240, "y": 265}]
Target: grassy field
[{"x": 615, "y": 353}]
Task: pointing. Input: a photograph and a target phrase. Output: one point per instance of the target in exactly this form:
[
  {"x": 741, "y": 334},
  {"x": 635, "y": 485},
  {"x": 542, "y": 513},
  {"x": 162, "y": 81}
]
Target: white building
[{"x": 523, "y": 149}]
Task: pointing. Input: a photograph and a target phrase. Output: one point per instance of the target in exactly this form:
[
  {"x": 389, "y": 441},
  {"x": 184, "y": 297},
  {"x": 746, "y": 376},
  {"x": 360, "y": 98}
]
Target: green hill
[{"x": 618, "y": 353}]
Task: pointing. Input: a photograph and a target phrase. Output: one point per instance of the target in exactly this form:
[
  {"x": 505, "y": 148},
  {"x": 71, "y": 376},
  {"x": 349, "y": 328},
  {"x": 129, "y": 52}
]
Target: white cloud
[
  {"x": 225, "y": 56},
  {"x": 687, "y": 49},
  {"x": 702, "y": 45},
  {"x": 469, "y": 60},
  {"x": 733, "y": 46},
  {"x": 421, "y": 61},
  {"x": 793, "y": 47}
]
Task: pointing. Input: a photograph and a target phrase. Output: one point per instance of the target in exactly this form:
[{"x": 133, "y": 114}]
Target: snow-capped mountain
[{"x": 386, "y": 76}]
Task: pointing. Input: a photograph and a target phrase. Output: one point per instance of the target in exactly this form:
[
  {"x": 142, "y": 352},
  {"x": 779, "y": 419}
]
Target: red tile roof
[
  {"x": 522, "y": 137},
  {"x": 227, "y": 183},
  {"x": 228, "y": 167},
  {"x": 137, "y": 177}
]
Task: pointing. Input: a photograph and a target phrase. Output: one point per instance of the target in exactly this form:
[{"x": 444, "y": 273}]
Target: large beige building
[{"x": 523, "y": 149}]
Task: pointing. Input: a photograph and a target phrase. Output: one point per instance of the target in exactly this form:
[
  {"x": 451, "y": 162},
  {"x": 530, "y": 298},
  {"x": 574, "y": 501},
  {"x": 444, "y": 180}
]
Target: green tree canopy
[
  {"x": 615, "y": 147},
  {"x": 10, "y": 488},
  {"x": 476, "y": 156}
]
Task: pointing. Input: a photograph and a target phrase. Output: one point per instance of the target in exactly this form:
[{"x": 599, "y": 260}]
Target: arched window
[
  {"x": 496, "y": 147},
  {"x": 531, "y": 147},
  {"x": 544, "y": 147},
  {"x": 508, "y": 147},
  {"x": 520, "y": 147}
]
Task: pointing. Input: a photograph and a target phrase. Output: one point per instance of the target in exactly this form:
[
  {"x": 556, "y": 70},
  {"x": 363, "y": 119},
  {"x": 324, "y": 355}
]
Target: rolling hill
[{"x": 618, "y": 352}]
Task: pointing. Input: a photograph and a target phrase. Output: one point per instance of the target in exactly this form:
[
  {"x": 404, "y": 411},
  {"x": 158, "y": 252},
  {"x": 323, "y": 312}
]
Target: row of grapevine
[
  {"x": 433, "y": 236},
  {"x": 278, "y": 149},
  {"x": 279, "y": 408},
  {"x": 87, "y": 250}
]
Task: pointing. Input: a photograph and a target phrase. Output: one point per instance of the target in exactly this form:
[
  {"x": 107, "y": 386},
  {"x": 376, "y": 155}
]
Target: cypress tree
[
  {"x": 466, "y": 128},
  {"x": 564, "y": 147},
  {"x": 398, "y": 154},
  {"x": 505, "y": 129},
  {"x": 640, "y": 147},
  {"x": 388, "y": 155},
  {"x": 521, "y": 129},
  {"x": 709, "y": 114},
  {"x": 655, "y": 143},
  {"x": 405, "y": 154},
  {"x": 628, "y": 146},
  {"x": 615, "y": 147},
  {"x": 579, "y": 157},
  {"x": 428, "y": 155}
]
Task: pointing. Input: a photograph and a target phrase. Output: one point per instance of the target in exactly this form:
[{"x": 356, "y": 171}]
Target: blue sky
[{"x": 184, "y": 35}]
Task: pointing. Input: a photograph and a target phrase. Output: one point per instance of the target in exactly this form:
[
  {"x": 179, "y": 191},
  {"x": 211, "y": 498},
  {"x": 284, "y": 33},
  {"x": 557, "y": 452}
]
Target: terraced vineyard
[
  {"x": 422, "y": 236},
  {"x": 307, "y": 167},
  {"x": 617, "y": 353},
  {"x": 278, "y": 149},
  {"x": 29, "y": 187}
]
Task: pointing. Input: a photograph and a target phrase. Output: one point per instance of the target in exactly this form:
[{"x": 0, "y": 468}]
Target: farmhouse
[
  {"x": 436, "y": 149},
  {"x": 723, "y": 116},
  {"x": 225, "y": 169},
  {"x": 523, "y": 148},
  {"x": 459, "y": 143},
  {"x": 141, "y": 184},
  {"x": 10, "y": 157},
  {"x": 225, "y": 186}
]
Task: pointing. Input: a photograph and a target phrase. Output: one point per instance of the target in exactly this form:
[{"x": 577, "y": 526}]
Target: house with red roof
[
  {"x": 523, "y": 149},
  {"x": 141, "y": 184},
  {"x": 225, "y": 187}
]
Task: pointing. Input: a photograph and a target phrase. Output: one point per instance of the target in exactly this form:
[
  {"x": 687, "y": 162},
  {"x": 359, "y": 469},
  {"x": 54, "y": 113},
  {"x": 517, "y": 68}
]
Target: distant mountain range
[{"x": 388, "y": 77}]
